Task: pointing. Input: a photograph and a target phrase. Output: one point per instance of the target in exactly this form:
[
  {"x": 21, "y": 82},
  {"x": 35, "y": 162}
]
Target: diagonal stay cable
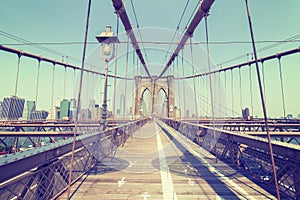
[
  {"x": 200, "y": 13},
  {"x": 36, "y": 45},
  {"x": 121, "y": 11},
  {"x": 138, "y": 30},
  {"x": 78, "y": 99},
  {"x": 177, "y": 30}
]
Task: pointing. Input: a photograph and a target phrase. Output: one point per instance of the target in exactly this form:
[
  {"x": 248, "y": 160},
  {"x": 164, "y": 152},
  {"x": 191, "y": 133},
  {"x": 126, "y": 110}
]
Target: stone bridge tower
[{"x": 154, "y": 86}]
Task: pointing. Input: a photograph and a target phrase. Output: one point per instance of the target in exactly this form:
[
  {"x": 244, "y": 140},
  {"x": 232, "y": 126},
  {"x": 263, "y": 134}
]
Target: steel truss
[
  {"x": 234, "y": 147},
  {"x": 15, "y": 136},
  {"x": 282, "y": 130}
]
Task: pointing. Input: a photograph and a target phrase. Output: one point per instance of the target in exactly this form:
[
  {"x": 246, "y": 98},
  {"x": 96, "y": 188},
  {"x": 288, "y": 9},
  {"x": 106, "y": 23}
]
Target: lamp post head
[
  {"x": 107, "y": 37},
  {"x": 107, "y": 41}
]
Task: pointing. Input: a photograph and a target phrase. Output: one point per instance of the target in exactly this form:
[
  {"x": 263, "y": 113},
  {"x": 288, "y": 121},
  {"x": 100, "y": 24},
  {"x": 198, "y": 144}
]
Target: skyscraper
[
  {"x": 73, "y": 108},
  {"x": 12, "y": 108},
  {"x": 30, "y": 108},
  {"x": 64, "y": 109},
  {"x": 72, "y": 103},
  {"x": 39, "y": 115},
  {"x": 96, "y": 112}
]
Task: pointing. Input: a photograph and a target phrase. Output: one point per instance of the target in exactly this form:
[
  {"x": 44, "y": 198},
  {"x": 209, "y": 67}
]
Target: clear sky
[{"x": 52, "y": 23}]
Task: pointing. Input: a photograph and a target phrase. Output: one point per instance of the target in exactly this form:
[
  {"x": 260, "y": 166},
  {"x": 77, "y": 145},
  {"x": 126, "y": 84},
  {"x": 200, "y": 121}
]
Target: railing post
[
  {"x": 234, "y": 152},
  {"x": 45, "y": 183},
  {"x": 296, "y": 177}
]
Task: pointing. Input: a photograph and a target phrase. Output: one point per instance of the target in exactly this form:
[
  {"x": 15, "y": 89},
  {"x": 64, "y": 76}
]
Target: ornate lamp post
[{"x": 107, "y": 42}]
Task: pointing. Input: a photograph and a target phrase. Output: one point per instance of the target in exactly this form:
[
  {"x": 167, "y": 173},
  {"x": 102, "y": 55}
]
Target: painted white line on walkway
[
  {"x": 166, "y": 178},
  {"x": 210, "y": 167}
]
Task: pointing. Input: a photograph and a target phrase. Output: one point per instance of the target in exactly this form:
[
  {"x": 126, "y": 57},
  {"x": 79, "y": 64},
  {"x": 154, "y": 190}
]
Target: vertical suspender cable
[
  {"x": 225, "y": 91},
  {"x": 262, "y": 99},
  {"x": 194, "y": 83},
  {"x": 37, "y": 83},
  {"x": 232, "y": 94},
  {"x": 241, "y": 92},
  {"x": 178, "y": 84},
  {"x": 263, "y": 76},
  {"x": 73, "y": 82},
  {"x": 65, "y": 82},
  {"x": 52, "y": 93},
  {"x": 182, "y": 63},
  {"x": 78, "y": 100},
  {"x": 199, "y": 95},
  {"x": 282, "y": 89},
  {"x": 220, "y": 105},
  {"x": 16, "y": 84},
  {"x": 133, "y": 102},
  {"x": 203, "y": 95},
  {"x": 17, "y": 75},
  {"x": 115, "y": 73},
  {"x": 133, "y": 56},
  {"x": 125, "y": 88},
  {"x": 87, "y": 87},
  {"x": 99, "y": 88},
  {"x": 125, "y": 92},
  {"x": 16, "y": 139},
  {"x": 251, "y": 93},
  {"x": 211, "y": 88},
  {"x": 207, "y": 96},
  {"x": 115, "y": 85}
]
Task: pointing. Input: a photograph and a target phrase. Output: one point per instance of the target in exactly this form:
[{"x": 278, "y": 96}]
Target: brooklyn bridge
[{"x": 172, "y": 100}]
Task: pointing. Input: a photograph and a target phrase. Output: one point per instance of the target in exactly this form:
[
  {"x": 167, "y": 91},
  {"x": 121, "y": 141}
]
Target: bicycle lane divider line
[{"x": 166, "y": 178}]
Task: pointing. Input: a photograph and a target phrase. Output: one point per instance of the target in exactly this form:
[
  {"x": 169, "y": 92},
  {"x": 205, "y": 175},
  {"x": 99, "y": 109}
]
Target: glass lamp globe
[{"x": 107, "y": 50}]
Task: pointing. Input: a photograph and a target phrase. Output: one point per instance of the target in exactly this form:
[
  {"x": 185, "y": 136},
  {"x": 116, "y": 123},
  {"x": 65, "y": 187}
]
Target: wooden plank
[{"x": 136, "y": 172}]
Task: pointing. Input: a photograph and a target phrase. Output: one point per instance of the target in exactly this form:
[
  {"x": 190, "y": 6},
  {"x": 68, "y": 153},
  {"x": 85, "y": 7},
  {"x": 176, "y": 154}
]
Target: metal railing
[
  {"x": 250, "y": 154},
  {"x": 42, "y": 173}
]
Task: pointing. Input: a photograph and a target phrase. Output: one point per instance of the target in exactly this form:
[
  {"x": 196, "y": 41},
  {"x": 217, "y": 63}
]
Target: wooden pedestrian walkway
[{"x": 160, "y": 163}]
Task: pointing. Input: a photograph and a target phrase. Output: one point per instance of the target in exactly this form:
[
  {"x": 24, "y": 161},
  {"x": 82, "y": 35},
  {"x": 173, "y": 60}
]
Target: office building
[
  {"x": 92, "y": 103},
  {"x": 73, "y": 108},
  {"x": 39, "y": 115},
  {"x": 96, "y": 112},
  {"x": 187, "y": 113},
  {"x": 64, "y": 109},
  {"x": 12, "y": 108},
  {"x": 72, "y": 103},
  {"x": 30, "y": 107},
  {"x": 84, "y": 114},
  {"x": 246, "y": 114},
  {"x": 53, "y": 114}
]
